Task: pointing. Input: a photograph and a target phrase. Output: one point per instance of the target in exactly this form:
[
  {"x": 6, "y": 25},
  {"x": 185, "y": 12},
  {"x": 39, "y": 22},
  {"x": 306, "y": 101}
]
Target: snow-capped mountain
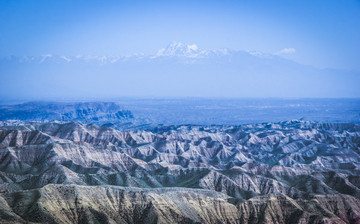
[
  {"x": 176, "y": 70},
  {"x": 181, "y": 50},
  {"x": 178, "y": 49},
  {"x": 174, "y": 49}
]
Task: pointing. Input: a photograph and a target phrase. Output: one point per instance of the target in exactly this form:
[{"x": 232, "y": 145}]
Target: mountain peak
[{"x": 180, "y": 49}]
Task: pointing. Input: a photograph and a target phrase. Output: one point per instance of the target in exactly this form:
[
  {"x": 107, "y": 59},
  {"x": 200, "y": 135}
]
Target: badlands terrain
[{"x": 282, "y": 172}]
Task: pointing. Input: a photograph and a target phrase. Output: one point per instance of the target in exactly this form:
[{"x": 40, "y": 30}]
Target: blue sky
[{"x": 324, "y": 34}]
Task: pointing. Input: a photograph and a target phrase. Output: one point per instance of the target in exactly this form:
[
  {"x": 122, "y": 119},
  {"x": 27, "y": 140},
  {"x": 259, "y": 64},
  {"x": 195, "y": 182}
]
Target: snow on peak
[{"x": 180, "y": 49}]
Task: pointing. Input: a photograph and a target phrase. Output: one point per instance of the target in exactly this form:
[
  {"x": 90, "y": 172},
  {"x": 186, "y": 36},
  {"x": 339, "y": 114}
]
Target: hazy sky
[{"x": 319, "y": 33}]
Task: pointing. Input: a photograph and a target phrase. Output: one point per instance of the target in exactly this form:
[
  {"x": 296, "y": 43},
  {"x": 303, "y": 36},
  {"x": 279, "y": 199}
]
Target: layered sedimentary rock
[{"x": 288, "y": 172}]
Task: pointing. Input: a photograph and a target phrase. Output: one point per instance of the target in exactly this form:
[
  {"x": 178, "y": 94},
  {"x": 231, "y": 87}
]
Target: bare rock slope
[{"x": 288, "y": 172}]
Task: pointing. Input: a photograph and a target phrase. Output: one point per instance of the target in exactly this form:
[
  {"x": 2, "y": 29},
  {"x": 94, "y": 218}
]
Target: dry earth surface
[{"x": 287, "y": 172}]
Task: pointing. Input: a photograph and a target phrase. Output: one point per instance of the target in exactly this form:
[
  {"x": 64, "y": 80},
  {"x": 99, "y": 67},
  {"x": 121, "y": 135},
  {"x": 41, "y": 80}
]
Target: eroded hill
[{"x": 288, "y": 172}]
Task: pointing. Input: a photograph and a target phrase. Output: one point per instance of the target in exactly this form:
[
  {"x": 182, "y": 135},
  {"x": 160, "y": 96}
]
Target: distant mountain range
[
  {"x": 177, "y": 70},
  {"x": 174, "y": 49}
]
